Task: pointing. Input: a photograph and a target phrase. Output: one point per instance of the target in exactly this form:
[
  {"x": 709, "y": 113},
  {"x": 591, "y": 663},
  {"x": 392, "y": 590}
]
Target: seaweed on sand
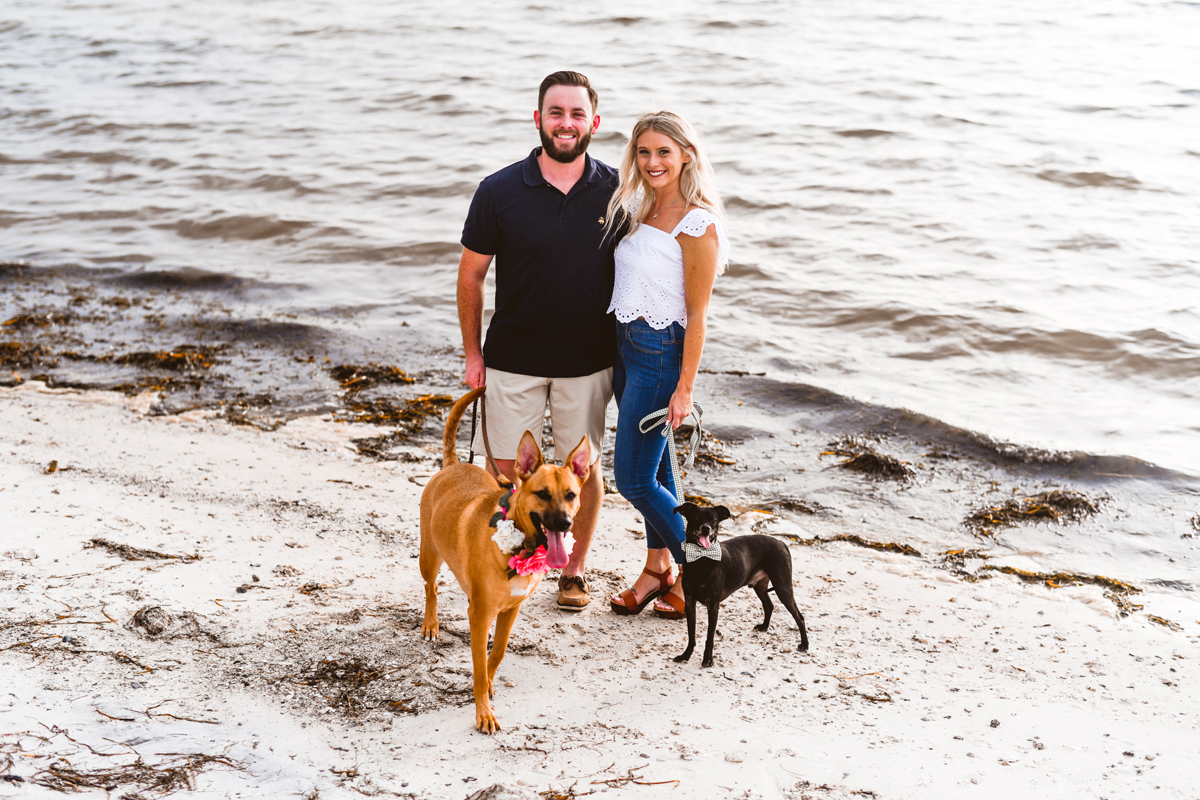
[
  {"x": 345, "y": 685},
  {"x": 19, "y": 354},
  {"x": 1059, "y": 505},
  {"x": 862, "y": 457},
  {"x": 184, "y": 358},
  {"x": 956, "y": 562},
  {"x": 1124, "y": 605},
  {"x": 855, "y": 539},
  {"x": 187, "y": 361},
  {"x": 35, "y": 320},
  {"x": 128, "y": 553},
  {"x": 1056, "y": 580},
  {"x": 1166, "y": 623},
  {"x": 347, "y": 679},
  {"x": 709, "y": 459},
  {"x": 241, "y": 411},
  {"x": 158, "y": 623},
  {"x": 165, "y": 777},
  {"x": 410, "y": 417},
  {"x": 890, "y": 547},
  {"x": 711, "y": 452},
  {"x": 356, "y": 378},
  {"x": 1117, "y": 591},
  {"x": 787, "y": 504}
]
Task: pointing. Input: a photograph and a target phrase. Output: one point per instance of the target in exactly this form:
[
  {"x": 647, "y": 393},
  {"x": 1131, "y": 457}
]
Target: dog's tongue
[
  {"x": 704, "y": 542},
  {"x": 557, "y": 553}
]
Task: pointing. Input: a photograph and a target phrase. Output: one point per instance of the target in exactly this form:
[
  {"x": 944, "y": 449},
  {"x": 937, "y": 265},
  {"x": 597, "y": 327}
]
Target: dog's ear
[
  {"x": 688, "y": 511},
  {"x": 580, "y": 459},
  {"x": 722, "y": 513},
  {"x": 529, "y": 456}
]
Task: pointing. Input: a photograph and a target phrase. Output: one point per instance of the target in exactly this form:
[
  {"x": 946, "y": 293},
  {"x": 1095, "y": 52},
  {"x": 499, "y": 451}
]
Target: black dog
[{"x": 757, "y": 561}]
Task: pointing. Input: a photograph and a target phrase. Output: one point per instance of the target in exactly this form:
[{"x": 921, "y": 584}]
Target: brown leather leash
[
  {"x": 474, "y": 414},
  {"x": 501, "y": 478}
]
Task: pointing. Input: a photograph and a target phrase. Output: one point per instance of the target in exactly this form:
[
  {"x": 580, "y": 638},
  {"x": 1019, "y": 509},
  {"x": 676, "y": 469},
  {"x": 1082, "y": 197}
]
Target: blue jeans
[{"x": 647, "y": 371}]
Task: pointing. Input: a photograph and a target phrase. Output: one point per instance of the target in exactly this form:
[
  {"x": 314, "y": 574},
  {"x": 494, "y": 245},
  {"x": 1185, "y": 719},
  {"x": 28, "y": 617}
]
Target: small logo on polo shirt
[{"x": 601, "y": 220}]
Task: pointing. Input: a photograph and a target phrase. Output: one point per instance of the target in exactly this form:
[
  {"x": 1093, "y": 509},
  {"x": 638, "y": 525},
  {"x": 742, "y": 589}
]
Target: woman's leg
[{"x": 650, "y": 364}]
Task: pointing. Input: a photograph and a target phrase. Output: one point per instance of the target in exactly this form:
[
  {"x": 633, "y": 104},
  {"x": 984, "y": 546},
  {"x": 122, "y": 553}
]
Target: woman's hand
[{"x": 680, "y": 406}]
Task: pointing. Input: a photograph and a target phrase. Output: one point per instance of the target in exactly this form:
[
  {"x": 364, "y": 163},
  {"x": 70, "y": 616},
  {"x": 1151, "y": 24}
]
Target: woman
[{"x": 665, "y": 269}]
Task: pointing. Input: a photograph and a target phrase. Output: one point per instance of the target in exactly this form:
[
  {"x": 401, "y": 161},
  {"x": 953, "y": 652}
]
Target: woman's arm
[{"x": 699, "y": 274}]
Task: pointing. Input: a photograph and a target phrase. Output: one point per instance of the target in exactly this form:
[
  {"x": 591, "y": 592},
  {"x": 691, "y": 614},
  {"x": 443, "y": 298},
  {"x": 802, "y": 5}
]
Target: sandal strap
[
  {"x": 674, "y": 601},
  {"x": 629, "y": 599},
  {"x": 665, "y": 579}
]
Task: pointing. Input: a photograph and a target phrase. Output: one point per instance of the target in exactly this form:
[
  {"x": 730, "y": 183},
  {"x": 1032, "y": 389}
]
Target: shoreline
[{"x": 909, "y": 664}]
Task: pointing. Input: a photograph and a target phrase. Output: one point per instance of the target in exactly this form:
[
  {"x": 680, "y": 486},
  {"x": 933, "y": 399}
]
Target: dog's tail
[{"x": 449, "y": 453}]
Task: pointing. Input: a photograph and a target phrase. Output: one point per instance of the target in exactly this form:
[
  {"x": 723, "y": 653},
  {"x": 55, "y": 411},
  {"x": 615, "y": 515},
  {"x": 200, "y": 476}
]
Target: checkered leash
[{"x": 656, "y": 418}]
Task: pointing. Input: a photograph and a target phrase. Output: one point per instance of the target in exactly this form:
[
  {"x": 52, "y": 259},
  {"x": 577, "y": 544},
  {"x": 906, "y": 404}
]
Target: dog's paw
[
  {"x": 681, "y": 658},
  {"x": 803, "y": 648},
  {"x": 761, "y": 627},
  {"x": 708, "y": 662},
  {"x": 429, "y": 630},
  {"x": 486, "y": 722}
]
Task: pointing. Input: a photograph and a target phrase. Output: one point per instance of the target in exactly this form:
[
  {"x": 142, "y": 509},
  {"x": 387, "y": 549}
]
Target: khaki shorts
[{"x": 517, "y": 403}]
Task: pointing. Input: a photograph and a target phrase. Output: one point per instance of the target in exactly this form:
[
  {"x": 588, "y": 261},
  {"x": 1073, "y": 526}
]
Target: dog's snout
[{"x": 558, "y": 521}]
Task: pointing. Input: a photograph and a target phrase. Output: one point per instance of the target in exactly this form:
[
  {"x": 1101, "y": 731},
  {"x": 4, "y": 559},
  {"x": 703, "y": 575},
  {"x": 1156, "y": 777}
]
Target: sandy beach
[{"x": 235, "y": 612}]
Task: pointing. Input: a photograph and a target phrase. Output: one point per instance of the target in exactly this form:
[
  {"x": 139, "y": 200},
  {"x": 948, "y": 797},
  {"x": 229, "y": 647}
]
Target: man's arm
[{"x": 472, "y": 270}]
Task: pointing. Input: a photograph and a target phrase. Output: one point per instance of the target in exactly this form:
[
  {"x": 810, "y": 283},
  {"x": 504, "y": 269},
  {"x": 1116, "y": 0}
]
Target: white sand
[{"x": 917, "y": 684}]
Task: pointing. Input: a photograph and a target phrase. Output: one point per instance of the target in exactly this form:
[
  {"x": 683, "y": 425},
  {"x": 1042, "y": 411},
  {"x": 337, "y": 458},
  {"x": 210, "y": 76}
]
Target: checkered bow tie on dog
[{"x": 694, "y": 552}]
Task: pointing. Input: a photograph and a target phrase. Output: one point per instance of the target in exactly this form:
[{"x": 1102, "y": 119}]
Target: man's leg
[
  {"x": 591, "y": 495},
  {"x": 515, "y": 404},
  {"x": 506, "y": 465},
  {"x": 577, "y": 409}
]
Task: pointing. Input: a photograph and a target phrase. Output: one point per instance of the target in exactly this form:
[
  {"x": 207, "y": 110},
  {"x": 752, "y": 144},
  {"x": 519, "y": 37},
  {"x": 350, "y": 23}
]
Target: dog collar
[
  {"x": 503, "y": 512},
  {"x": 694, "y": 552}
]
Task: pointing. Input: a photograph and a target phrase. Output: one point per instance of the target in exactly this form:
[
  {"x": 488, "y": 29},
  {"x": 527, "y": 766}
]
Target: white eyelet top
[{"x": 649, "y": 271}]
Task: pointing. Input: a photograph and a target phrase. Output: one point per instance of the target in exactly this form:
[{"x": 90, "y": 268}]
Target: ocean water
[{"x": 952, "y": 225}]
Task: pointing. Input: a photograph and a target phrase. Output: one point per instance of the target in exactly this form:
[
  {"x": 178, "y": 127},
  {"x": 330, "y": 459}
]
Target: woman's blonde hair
[{"x": 634, "y": 197}]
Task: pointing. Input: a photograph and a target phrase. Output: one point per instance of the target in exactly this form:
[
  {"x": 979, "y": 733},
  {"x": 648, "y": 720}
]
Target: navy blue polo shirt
[{"x": 554, "y": 269}]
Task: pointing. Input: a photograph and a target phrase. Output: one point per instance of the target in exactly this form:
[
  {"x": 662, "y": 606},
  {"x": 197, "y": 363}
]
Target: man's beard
[{"x": 551, "y": 147}]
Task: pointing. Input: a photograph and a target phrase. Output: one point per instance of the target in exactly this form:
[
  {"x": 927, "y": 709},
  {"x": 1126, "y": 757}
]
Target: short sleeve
[
  {"x": 696, "y": 222},
  {"x": 481, "y": 233}
]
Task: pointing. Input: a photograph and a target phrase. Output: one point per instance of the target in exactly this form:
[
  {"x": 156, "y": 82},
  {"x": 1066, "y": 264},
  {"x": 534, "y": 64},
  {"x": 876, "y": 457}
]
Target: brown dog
[{"x": 457, "y": 509}]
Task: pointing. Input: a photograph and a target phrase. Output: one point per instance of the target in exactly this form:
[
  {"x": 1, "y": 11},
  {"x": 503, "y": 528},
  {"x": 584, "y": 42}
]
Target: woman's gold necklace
[{"x": 664, "y": 208}]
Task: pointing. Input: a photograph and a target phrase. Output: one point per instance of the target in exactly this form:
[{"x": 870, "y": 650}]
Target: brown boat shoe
[{"x": 573, "y": 593}]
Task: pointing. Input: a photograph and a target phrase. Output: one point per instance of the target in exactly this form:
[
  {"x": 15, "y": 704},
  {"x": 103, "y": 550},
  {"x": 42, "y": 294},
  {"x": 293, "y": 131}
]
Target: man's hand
[{"x": 476, "y": 375}]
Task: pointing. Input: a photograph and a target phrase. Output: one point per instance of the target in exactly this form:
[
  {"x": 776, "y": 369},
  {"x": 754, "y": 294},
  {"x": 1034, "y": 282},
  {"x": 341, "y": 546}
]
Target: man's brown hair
[{"x": 567, "y": 77}]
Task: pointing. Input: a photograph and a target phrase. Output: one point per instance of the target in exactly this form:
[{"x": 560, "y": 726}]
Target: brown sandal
[
  {"x": 677, "y": 605},
  {"x": 629, "y": 606}
]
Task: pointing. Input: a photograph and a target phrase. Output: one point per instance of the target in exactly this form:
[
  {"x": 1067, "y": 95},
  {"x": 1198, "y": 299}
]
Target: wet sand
[{"x": 289, "y": 651}]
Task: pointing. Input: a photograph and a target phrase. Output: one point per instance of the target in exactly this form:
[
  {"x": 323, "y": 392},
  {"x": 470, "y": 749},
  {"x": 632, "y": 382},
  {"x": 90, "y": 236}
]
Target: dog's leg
[
  {"x": 712, "y": 631},
  {"x": 760, "y": 589},
  {"x": 784, "y": 592},
  {"x": 430, "y": 562},
  {"x": 481, "y": 625},
  {"x": 689, "y": 611},
  {"x": 504, "y": 625}
]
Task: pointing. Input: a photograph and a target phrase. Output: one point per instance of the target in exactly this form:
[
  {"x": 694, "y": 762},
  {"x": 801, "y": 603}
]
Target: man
[{"x": 550, "y": 339}]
